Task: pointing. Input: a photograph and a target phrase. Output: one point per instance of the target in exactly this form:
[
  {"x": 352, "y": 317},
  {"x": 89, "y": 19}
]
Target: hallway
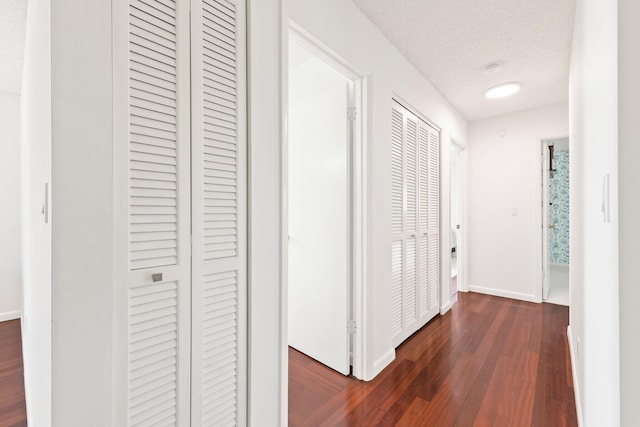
[{"x": 489, "y": 361}]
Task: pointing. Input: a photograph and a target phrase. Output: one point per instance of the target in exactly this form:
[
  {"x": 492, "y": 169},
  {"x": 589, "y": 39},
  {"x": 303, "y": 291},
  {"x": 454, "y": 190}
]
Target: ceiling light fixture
[{"x": 500, "y": 91}]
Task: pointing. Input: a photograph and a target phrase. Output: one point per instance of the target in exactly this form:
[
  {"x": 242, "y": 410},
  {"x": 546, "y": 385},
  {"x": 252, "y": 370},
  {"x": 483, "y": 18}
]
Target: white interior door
[
  {"x": 415, "y": 223},
  {"x": 153, "y": 181},
  {"x": 218, "y": 121},
  {"x": 319, "y": 252},
  {"x": 546, "y": 192}
]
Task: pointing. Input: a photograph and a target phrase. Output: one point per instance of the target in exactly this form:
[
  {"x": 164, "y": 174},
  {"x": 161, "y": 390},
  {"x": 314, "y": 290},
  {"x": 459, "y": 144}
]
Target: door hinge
[
  {"x": 351, "y": 113},
  {"x": 351, "y": 326}
]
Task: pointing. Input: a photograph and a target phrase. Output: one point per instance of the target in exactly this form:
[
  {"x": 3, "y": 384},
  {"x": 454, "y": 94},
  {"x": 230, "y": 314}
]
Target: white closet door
[
  {"x": 397, "y": 218},
  {"x": 219, "y": 213},
  {"x": 433, "y": 230},
  {"x": 415, "y": 223},
  {"x": 152, "y": 179},
  {"x": 411, "y": 223}
]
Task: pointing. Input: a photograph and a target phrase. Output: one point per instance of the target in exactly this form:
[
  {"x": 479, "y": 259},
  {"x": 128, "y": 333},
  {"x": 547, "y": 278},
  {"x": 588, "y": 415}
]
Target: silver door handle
[{"x": 156, "y": 277}]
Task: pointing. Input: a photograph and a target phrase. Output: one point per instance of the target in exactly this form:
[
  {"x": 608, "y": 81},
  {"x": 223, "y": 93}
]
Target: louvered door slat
[{"x": 396, "y": 288}]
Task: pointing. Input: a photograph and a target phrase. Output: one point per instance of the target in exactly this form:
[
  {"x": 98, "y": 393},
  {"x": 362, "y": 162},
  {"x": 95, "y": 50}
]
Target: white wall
[
  {"x": 10, "y": 257},
  {"x": 36, "y": 248},
  {"x": 594, "y": 243},
  {"x": 504, "y": 175},
  {"x": 341, "y": 27},
  {"x": 629, "y": 177},
  {"x": 267, "y": 347}
]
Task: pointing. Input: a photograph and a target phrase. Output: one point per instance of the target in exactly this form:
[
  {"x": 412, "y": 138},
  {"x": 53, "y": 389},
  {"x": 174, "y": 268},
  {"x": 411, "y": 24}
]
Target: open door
[
  {"x": 319, "y": 209},
  {"x": 546, "y": 178}
]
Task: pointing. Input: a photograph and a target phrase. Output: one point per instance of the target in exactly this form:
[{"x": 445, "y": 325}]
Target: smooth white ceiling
[
  {"x": 450, "y": 41},
  {"x": 13, "y": 18}
]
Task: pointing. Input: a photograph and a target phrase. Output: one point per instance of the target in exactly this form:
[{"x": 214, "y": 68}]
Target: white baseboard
[
  {"x": 446, "y": 307},
  {"x": 10, "y": 315},
  {"x": 503, "y": 293},
  {"x": 576, "y": 390},
  {"x": 381, "y": 363}
]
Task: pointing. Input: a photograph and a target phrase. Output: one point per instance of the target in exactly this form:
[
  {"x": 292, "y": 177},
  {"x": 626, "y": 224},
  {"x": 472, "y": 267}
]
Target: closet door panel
[
  {"x": 219, "y": 213},
  {"x": 433, "y": 206},
  {"x": 415, "y": 222},
  {"x": 152, "y": 197}
]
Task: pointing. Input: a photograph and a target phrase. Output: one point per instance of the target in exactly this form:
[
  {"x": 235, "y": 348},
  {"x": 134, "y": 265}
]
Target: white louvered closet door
[
  {"x": 415, "y": 223},
  {"x": 219, "y": 213},
  {"x": 152, "y": 178},
  {"x": 180, "y": 227}
]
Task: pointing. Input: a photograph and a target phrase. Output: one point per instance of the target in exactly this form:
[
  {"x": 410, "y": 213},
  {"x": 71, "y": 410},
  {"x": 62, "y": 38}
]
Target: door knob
[{"x": 552, "y": 226}]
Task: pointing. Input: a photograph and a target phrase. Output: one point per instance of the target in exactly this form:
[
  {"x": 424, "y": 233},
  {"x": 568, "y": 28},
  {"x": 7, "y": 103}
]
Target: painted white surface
[
  {"x": 10, "y": 257},
  {"x": 504, "y": 199},
  {"x": 13, "y": 18},
  {"x": 343, "y": 28},
  {"x": 318, "y": 142},
  {"x": 594, "y": 243},
  {"x": 35, "y": 131},
  {"x": 450, "y": 41},
  {"x": 82, "y": 211},
  {"x": 268, "y": 371},
  {"x": 629, "y": 176}
]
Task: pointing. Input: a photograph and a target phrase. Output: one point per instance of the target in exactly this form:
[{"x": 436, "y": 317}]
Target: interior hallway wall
[
  {"x": 594, "y": 315},
  {"x": 36, "y": 234},
  {"x": 10, "y": 235},
  {"x": 344, "y": 29},
  {"x": 504, "y": 199}
]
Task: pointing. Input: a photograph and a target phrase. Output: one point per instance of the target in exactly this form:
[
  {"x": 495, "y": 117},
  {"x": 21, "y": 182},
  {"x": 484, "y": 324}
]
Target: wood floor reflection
[{"x": 488, "y": 362}]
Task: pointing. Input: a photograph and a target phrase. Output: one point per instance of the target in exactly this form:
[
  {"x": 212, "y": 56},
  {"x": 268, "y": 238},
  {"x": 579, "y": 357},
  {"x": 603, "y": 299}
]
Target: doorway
[
  {"x": 456, "y": 203},
  {"x": 322, "y": 190},
  {"x": 555, "y": 221}
]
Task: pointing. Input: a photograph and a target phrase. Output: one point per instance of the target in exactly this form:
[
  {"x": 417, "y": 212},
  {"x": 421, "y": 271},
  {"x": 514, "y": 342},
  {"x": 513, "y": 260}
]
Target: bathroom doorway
[
  {"x": 555, "y": 217},
  {"x": 456, "y": 203}
]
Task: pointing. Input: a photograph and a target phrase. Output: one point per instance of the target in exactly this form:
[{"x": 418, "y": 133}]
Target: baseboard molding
[
  {"x": 576, "y": 390},
  {"x": 381, "y": 363},
  {"x": 10, "y": 315},
  {"x": 446, "y": 307},
  {"x": 503, "y": 293}
]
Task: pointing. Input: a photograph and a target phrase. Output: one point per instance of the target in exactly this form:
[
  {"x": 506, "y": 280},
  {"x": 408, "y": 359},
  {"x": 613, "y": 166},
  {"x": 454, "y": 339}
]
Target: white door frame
[
  {"x": 357, "y": 191},
  {"x": 460, "y": 243}
]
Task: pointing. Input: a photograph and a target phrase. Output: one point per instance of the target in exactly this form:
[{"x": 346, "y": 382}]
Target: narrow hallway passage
[{"x": 488, "y": 362}]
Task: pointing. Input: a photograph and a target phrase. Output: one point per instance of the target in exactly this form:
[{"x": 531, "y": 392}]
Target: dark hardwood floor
[
  {"x": 488, "y": 362},
  {"x": 12, "y": 404}
]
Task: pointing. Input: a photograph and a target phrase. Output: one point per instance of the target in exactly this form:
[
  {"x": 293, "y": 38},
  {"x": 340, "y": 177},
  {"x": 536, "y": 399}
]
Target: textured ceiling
[
  {"x": 13, "y": 17},
  {"x": 450, "y": 41}
]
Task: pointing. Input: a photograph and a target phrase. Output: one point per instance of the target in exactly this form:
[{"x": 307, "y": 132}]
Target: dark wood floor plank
[
  {"x": 12, "y": 401},
  {"x": 488, "y": 362}
]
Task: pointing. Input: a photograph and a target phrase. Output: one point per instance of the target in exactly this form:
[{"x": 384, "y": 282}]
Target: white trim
[
  {"x": 381, "y": 363},
  {"x": 10, "y": 315},
  {"x": 504, "y": 294},
  {"x": 539, "y": 221},
  {"x": 574, "y": 376},
  {"x": 446, "y": 307},
  {"x": 357, "y": 190}
]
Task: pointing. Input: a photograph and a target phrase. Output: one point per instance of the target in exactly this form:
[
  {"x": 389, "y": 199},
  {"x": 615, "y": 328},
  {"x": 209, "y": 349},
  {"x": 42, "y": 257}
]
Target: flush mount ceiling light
[{"x": 500, "y": 91}]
